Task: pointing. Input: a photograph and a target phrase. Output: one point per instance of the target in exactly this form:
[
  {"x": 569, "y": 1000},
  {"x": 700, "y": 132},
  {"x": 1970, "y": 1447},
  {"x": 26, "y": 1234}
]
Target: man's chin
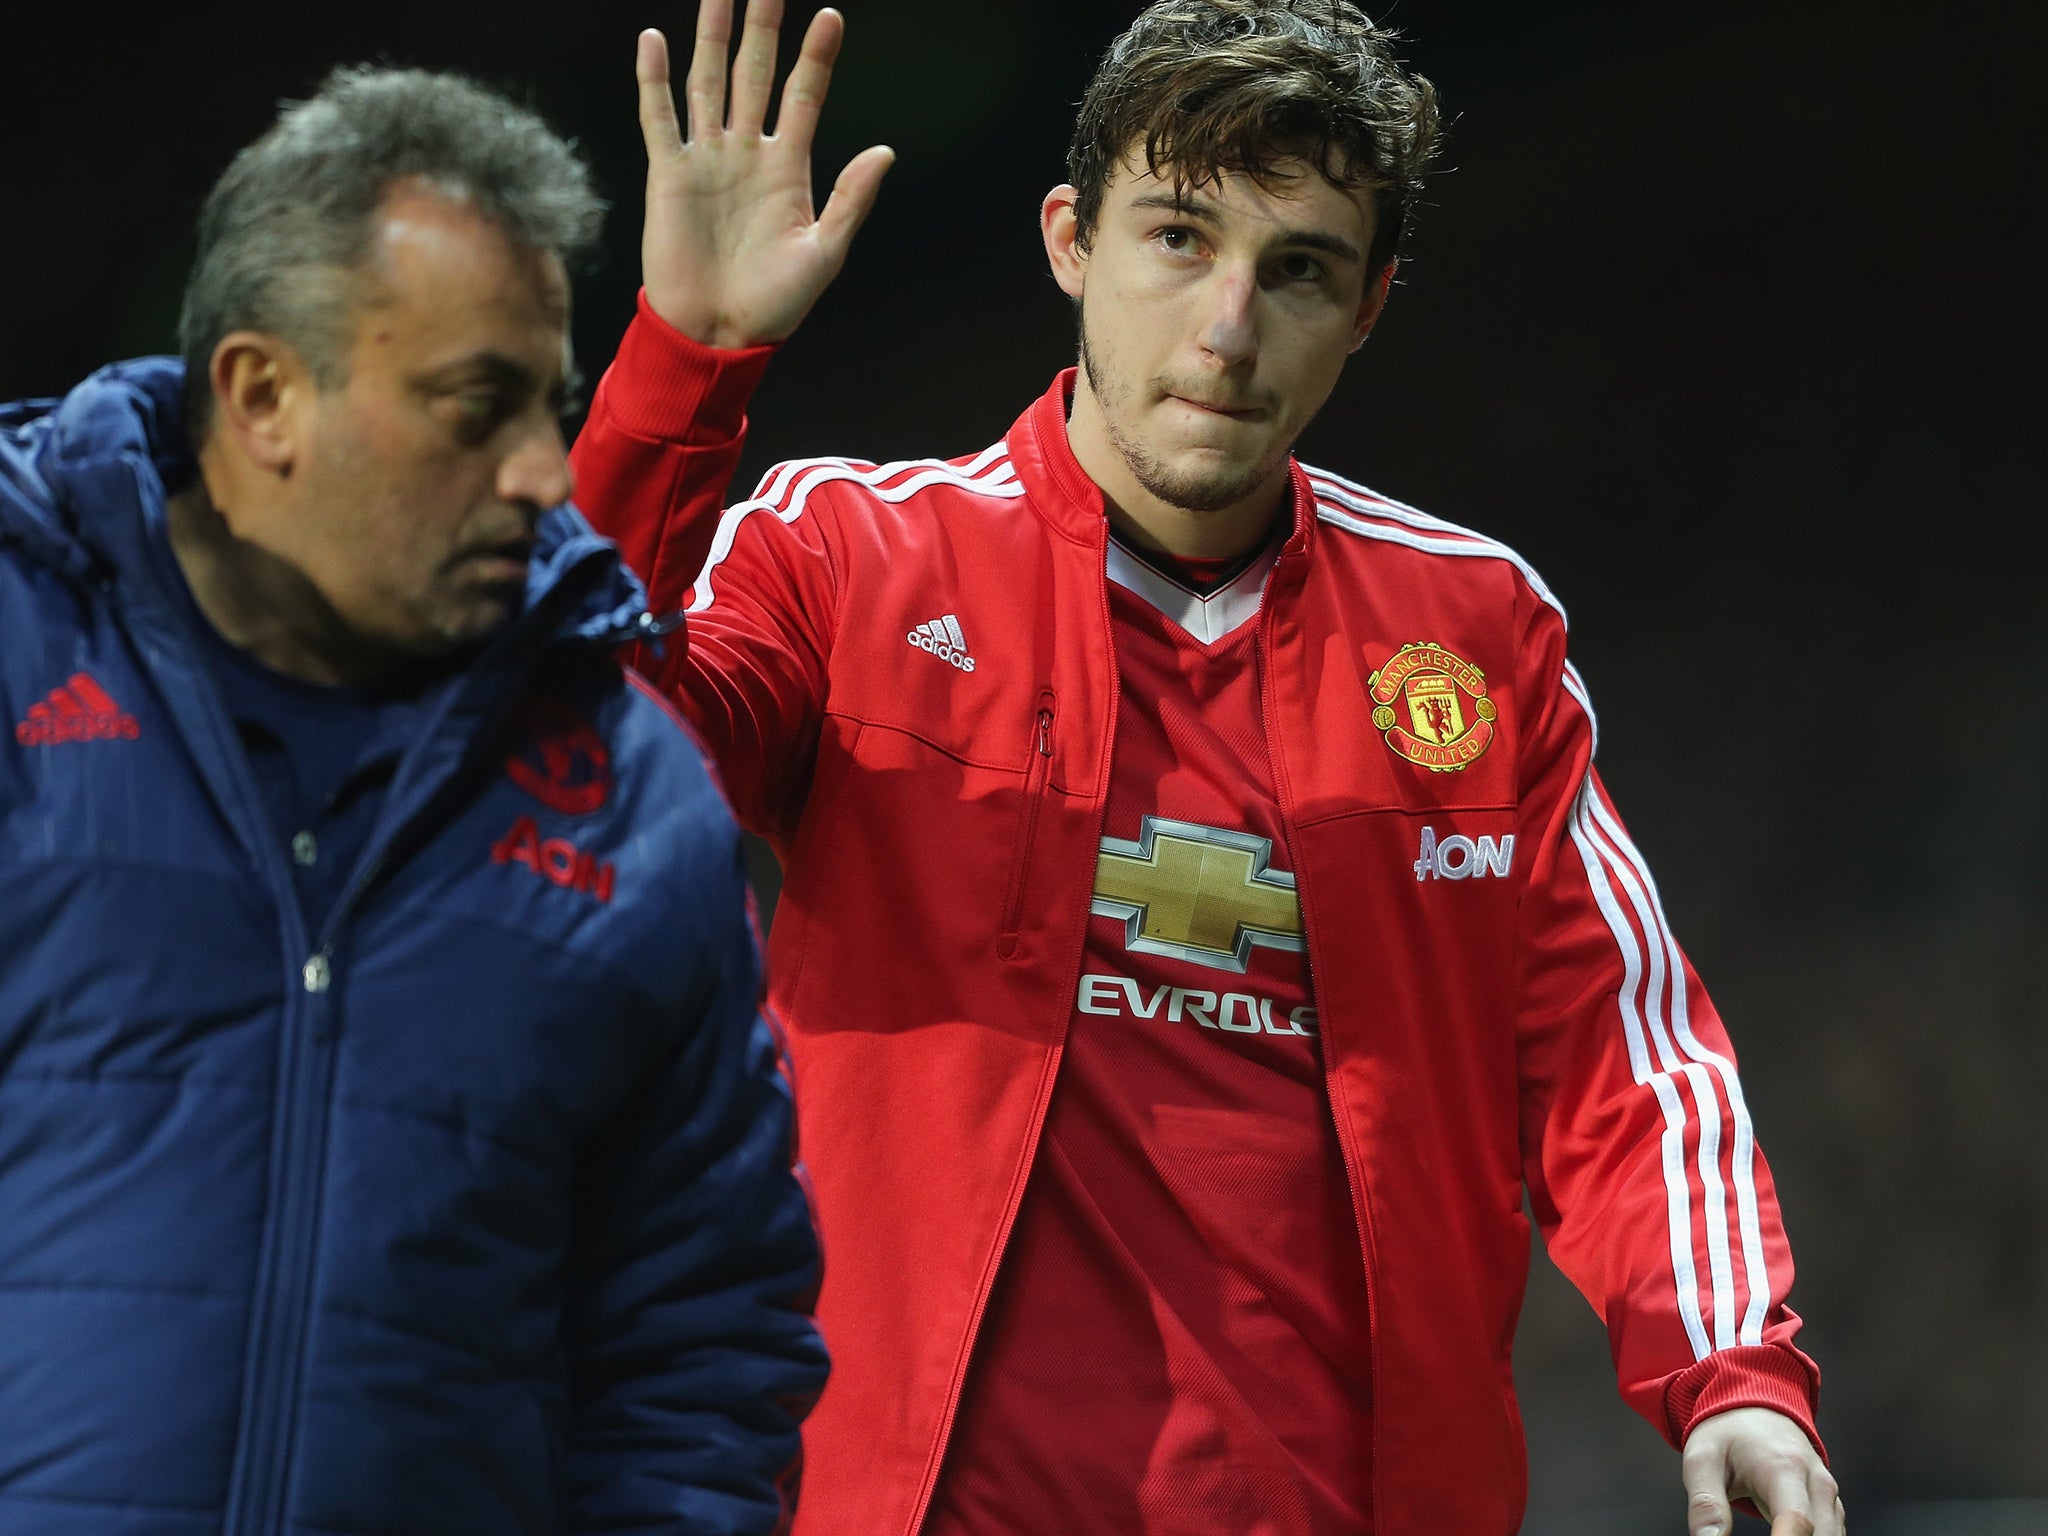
[
  {"x": 466, "y": 627},
  {"x": 1187, "y": 482},
  {"x": 1198, "y": 467}
]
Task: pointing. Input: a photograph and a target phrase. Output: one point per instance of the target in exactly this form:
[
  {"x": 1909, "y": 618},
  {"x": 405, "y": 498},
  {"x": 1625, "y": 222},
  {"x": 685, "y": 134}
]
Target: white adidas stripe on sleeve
[
  {"x": 1742, "y": 1153},
  {"x": 1677, "y": 1186},
  {"x": 1611, "y": 859}
]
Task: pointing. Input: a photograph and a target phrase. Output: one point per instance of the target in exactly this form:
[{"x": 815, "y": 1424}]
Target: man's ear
[
  {"x": 262, "y": 399},
  {"x": 1062, "y": 232},
  {"x": 1375, "y": 301}
]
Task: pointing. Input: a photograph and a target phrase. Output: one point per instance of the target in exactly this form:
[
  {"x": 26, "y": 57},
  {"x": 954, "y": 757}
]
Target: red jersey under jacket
[{"x": 1501, "y": 1004}]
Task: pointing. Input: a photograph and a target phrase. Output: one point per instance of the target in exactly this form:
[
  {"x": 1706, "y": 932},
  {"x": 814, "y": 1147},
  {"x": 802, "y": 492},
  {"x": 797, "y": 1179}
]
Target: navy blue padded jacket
[{"x": 470, "y": 1213}]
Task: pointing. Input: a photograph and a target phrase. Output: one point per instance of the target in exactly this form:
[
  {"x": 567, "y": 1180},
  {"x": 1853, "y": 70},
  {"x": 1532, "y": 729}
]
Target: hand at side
[{"x": 1762, "y": 1456}]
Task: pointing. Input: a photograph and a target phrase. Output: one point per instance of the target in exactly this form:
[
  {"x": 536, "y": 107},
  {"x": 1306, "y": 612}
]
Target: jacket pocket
[{"x": 1037, "y": 779}]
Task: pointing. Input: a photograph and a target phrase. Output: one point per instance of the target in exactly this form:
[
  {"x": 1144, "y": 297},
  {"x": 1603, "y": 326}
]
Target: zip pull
[{"x": 1045, "y": 733}]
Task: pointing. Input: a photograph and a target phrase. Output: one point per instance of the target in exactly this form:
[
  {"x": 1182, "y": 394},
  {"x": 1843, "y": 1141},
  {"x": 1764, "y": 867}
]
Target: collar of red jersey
[{"x": 1208, "y": 616}]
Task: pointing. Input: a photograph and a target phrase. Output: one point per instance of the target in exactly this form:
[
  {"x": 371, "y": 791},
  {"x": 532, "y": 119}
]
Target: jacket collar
[
  {"x": 1060, "y": 491},
  {"x": 84, "y": 480}
]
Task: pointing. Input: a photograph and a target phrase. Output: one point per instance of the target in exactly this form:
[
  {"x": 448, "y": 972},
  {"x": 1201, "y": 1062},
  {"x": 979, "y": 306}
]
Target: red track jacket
[{"x": 1501, "y": 1003}]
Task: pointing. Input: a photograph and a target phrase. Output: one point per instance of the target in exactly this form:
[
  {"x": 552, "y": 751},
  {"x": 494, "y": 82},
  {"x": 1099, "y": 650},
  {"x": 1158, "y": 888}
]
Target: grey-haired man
[{"x": 390, "y": 1140}]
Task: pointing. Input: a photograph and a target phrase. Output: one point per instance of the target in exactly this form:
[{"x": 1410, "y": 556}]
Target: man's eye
[
  {"x": 479, "y": 413},
  {"x": 1300, "y": 269},
  {"x": 1177, "y": 239}
]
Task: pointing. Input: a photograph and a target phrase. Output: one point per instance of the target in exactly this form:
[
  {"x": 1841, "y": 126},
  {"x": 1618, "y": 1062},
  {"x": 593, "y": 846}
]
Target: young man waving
[{"x": 1203, "y": 919}]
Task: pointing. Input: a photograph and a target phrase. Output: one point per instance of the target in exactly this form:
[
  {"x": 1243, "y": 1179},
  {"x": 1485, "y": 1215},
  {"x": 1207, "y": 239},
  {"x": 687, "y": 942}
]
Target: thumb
[
  {"x": 1706, "y": 1495},
  {"x": 853, "y": 198}
]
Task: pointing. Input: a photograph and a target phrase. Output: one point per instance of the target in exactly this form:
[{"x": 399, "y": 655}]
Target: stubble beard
[{"x": 1187, "y": 492}]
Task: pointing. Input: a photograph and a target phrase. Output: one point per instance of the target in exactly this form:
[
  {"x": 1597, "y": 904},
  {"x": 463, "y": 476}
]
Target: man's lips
[
  {"x": 1229, "y": 412},
  {"x": 505, "y": 561}
]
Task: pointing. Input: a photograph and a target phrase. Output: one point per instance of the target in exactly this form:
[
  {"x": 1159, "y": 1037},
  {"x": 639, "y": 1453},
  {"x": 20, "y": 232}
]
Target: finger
[
  {"x": 753, "y": 72},
  {"x": 706, "y": 85},
  {"x": 657, "y": 104},
  {"x": 1829, "y": 1518},
  {"x": 1706, "y": 1493},
  {"x": 803, "y": 93},
  {"x": 853, "y": 198},
  {"x": 1781, "y": 1493}
]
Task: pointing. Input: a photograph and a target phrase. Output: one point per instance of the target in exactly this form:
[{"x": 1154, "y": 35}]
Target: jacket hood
[{"x": 123, "y": 429}]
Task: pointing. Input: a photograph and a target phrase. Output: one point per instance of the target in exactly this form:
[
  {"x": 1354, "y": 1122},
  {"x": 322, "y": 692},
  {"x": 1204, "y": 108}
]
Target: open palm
[{"x": 733, "y": 253}]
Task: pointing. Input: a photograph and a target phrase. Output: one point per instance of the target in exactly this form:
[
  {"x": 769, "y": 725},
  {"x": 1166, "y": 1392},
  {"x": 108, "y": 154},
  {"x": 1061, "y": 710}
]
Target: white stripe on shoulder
[
  {"x": 1575, "y": 685},
  {"x": 1346, "y": 504},
  {"x": 775, "y": 484},
  {"x": 786, "y": 489}
]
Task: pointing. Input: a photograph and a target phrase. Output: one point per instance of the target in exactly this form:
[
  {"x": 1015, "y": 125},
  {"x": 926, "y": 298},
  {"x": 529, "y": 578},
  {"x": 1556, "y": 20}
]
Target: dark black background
[{"x": 1726, "y": 317}]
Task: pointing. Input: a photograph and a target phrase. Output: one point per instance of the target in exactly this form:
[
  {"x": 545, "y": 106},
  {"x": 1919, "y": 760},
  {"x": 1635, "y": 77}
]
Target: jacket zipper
[
  {"x": 1038, "y": 774},
  {"x": 309, "y": 1049},
  {"x": 306, "y": 1048},
  {"x": 256, "y": 1505},
  {"x": 1043, "y": 734},
  {"x": 985, "y": 1287},
  {"x": 1354, "y": 1176},
  {"x": 305, "y": 1064}
]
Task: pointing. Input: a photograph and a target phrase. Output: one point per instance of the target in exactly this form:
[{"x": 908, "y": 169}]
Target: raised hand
[
  {"x": 732, "y": 253},
  {"x": 1764, "y": 1457}
]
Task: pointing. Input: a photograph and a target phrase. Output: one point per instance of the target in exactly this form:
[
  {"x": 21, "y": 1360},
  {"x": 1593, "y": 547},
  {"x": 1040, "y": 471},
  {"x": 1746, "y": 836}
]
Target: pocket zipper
[{"x": 1038, "y": 775}]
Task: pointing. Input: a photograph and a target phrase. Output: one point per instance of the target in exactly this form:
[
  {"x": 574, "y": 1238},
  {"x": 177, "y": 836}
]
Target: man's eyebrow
[
  {"x": 494, "y": 366},
  {"x": 565, "y": 391},
  {"x": 1187, "y": 205},
  {"x": 1319, "y": 240}
]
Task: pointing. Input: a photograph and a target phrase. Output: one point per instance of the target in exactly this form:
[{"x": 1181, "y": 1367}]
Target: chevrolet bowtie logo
[{"x": 1197, "y": 893}]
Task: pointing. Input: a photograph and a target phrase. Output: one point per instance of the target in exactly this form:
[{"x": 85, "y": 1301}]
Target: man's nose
[
  {"x": 537, "y": 471},
  {"x": 1230, "y": 329}
]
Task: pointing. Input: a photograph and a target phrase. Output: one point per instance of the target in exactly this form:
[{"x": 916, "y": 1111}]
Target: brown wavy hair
[{"x": 1201, "y": 87}]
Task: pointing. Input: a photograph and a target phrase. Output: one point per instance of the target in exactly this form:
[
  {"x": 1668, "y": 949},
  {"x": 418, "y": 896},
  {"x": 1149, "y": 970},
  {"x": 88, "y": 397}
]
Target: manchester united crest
[
  {"x": 561, "y": 761},
  {"x": 1432, "y": 707}
]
